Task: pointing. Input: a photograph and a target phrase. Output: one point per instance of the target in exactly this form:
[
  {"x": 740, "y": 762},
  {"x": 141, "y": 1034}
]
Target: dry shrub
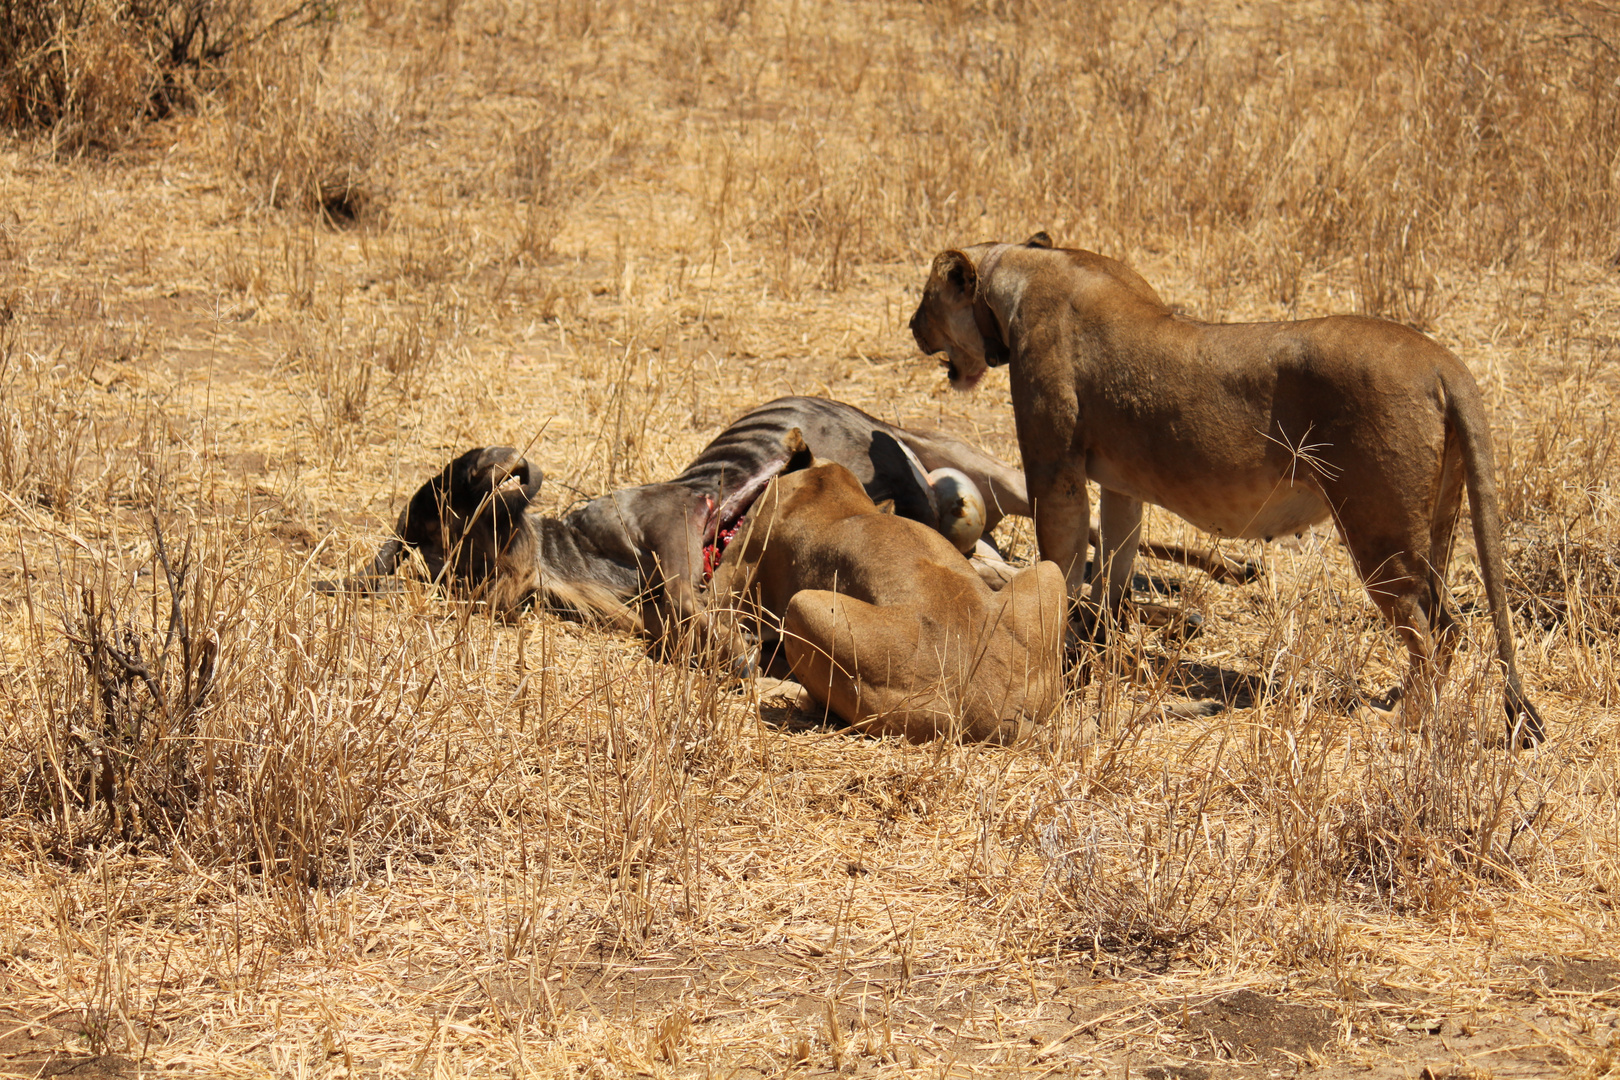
[
  {"x": 351, "y": 380},
  {"x": 312, "y": 786},
  {"x": 297, "y": 744},
  {"x": 412, "y": 347},
  {"x": 1558, "y": 471},
  {"x": 810, "y": 210},
  {"x": 1560, "y": 580},
  {"x": 171, "y": 700},
  {"x": 308, "y": 138},
  {"x": 118, "y": 760},
  {"x": 1393, "y": 272},
  {"x": 87, "y": 72},
  {"x": 67, "y": 418},
  {"x": 91, "y": 71},
  {"x": 651, "y": 751},
  {"x": 342, "y": 380},
  {"x": 1422, "y": 831},
  {"x": 343, "y": 385},
  {"x": 1416, "y": 820},
  {"x": 192, "y": 711},
  {"x": 1151, "y": 874}
]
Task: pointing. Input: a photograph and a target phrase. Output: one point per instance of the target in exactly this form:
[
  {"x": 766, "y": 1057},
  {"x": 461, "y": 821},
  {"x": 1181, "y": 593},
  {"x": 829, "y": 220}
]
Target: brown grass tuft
[
  {"x": 92, "y": 72},
  {"x": 304, "y": 136}
]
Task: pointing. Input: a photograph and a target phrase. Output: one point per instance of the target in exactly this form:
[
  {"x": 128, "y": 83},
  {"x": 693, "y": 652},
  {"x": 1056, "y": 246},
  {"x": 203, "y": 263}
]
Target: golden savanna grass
[{"x": 251, "y": 296}]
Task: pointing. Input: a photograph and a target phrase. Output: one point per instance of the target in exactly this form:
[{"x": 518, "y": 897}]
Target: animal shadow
[
  {"x": 1235, "y": 689},
  {"x": 1240, "y": 690}
]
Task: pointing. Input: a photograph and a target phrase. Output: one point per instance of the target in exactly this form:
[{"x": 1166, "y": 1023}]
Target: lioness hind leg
[
  {"x": 1416, "y": 596},
  {"x": 1118, "y": 534},
  {"x": 1402, "y": 587},
  {"x": 859, "y": 661},
  {"x": 871, "y": 666},
  {"x": 1424, "y": 673}
]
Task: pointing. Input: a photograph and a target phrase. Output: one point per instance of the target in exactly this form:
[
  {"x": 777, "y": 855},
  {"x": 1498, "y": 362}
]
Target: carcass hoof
[
  {"x": 1183, "y": 625},
  {"x": 1239, "y": 572},
  {"x": 1191, "y": 708},
  {"x": 1387, "y": 701}
]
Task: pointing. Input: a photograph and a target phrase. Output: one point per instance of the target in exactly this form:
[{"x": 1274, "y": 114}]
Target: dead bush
[
  {"x": 188, "y": 711},
  {"x": 118, "y": 760},
  {"x": 1142, "y": 877},
  {"x": 1439, "y": 813},
  {"x": 91, "y": 71},
  {"x": 306, "y": 139}
]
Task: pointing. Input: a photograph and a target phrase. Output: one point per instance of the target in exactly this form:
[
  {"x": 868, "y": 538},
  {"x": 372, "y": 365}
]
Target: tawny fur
[
  {"x": 1245, "y": 430},
  {"x": 884, "y": 622}
]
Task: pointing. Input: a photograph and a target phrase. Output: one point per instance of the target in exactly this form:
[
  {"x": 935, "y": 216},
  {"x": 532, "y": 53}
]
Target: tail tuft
[{"x": 1525, "y": 726}]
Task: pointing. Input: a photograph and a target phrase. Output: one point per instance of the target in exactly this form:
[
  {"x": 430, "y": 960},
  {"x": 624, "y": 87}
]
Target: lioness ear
[
  {"x": 955, "y": 267},
  {"x": 1039, "y": 240},
  {"x": 885, "y": 507},
  {"x": 798, "y": 451}
]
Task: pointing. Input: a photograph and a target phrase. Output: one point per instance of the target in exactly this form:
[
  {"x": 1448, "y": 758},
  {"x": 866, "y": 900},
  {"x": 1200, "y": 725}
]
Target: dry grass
[{"x": 247, "y": 829}]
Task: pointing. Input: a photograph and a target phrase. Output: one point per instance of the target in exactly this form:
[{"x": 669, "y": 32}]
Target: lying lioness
[
  {"x": 884, "y": 622},
  {"x": 1252, "y": 430}
]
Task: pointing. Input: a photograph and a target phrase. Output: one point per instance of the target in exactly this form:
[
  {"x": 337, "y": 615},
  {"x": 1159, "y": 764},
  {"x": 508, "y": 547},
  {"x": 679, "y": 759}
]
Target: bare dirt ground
[{"x": 340, "y": 836}]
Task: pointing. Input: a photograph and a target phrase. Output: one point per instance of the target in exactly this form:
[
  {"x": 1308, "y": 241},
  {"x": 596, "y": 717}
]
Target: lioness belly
[
  {"x": 1257, "y": 506},
  {"x": 1283, "y": 510}
]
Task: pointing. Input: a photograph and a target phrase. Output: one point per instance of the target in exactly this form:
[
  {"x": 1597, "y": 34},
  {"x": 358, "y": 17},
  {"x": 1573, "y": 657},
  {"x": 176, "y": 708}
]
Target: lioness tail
[{"x": 1465, "y": 413}]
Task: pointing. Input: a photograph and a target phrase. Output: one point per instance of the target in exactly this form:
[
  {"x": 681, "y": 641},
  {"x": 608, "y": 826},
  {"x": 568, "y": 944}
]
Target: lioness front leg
[
  {"x": 1119, "y": 531},
  {"x": 1062, "y": 509},
  {"x": 676, "y": 608}
]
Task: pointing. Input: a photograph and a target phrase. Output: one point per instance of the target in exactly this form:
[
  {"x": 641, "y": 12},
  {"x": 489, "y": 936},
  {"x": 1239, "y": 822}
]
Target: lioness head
[
  {"x": 946, "y": 321},
  {"x": 953, "y": 317}
]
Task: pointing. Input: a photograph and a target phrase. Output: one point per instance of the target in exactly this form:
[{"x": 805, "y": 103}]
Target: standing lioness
[{"x": 1247, "y": 430}]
